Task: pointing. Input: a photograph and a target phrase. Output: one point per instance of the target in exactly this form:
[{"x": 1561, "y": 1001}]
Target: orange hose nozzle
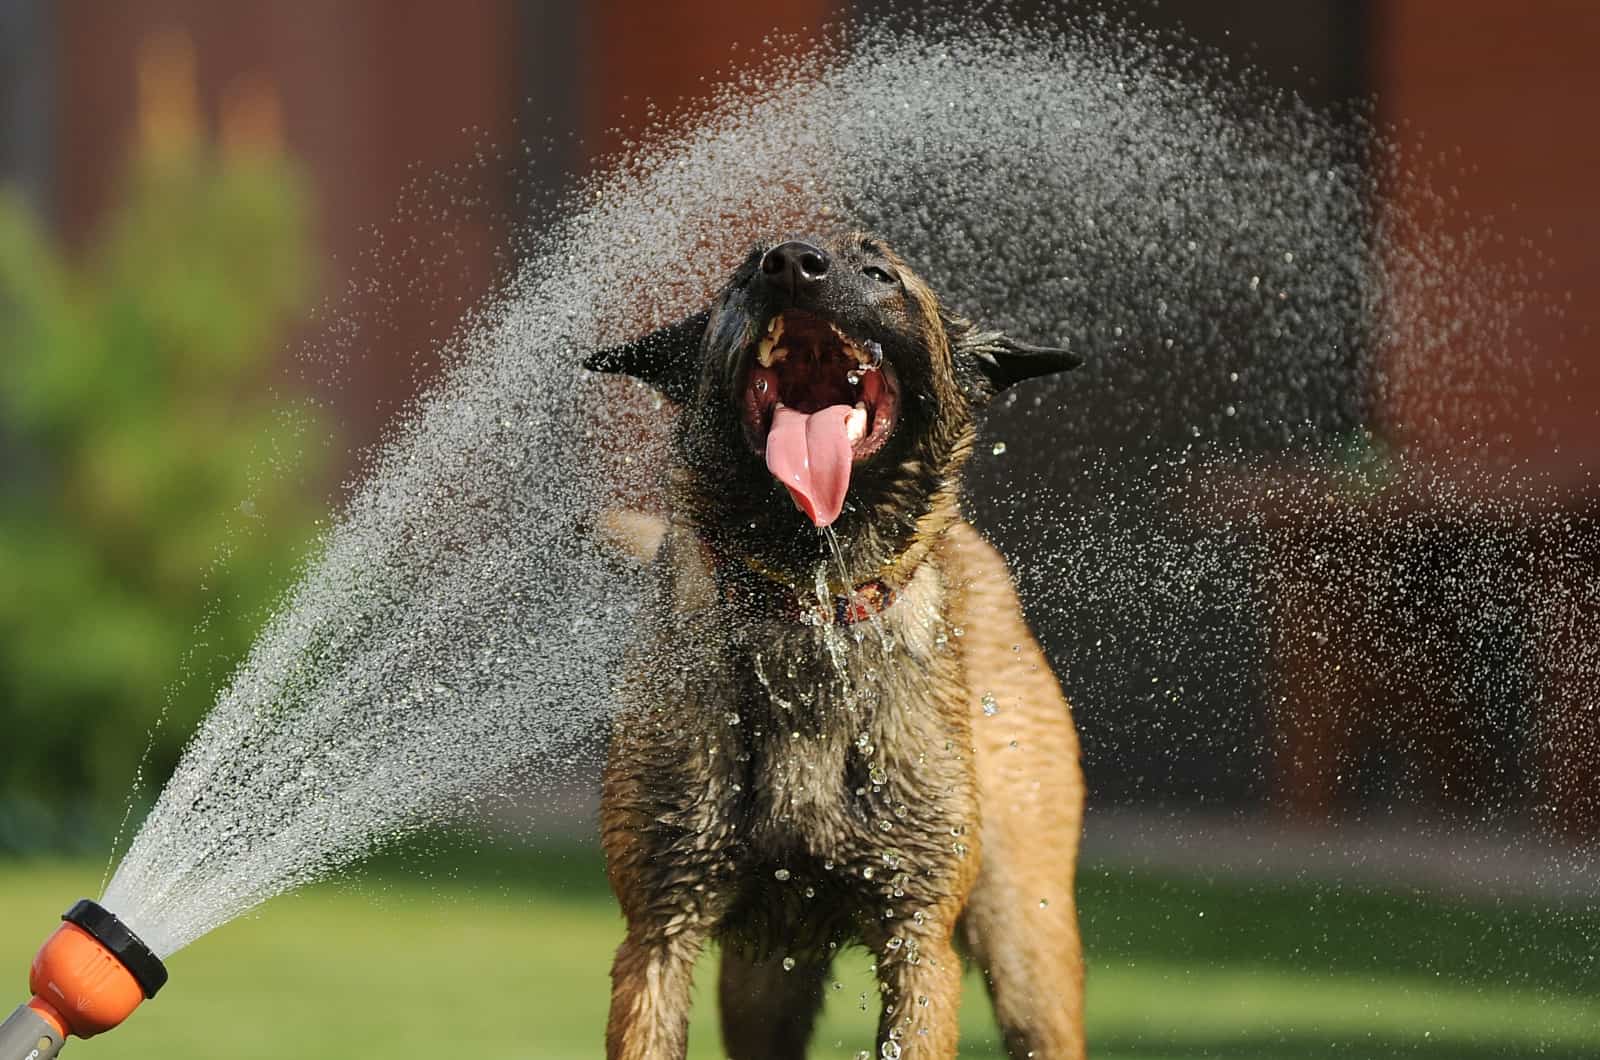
[{"x": 92, "y": 973}]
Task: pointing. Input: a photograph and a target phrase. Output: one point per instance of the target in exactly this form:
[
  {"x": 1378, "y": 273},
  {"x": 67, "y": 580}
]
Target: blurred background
[{"x": 234, "y": 238}]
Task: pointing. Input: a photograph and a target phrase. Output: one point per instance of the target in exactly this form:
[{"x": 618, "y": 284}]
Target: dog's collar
[
  {"x": 747, "y": 583},
  {"x": 865, "y": 601}
]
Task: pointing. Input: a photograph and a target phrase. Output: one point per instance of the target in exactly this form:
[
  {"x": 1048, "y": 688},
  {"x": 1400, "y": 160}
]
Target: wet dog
[{"x": 837, "y": 737}]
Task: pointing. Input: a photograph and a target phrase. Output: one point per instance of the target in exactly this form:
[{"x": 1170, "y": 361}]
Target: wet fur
[{"x": 752, "y": 745}]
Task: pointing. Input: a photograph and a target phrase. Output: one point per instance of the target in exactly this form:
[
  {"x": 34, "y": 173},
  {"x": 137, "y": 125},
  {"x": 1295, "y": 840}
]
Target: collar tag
[{"x": 865, "y": 601}]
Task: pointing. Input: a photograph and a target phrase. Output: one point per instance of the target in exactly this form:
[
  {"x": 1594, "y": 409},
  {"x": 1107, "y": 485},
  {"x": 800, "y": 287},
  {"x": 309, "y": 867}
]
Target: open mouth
[{"x": 815, "y": 403}]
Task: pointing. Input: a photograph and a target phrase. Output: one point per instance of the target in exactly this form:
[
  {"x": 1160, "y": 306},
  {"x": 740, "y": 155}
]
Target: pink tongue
[{"x": 810, "y": 454}]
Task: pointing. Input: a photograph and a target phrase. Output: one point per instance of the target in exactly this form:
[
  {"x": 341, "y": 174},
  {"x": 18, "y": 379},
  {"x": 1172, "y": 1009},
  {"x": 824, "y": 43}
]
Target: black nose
[{"x": 794, "y": 267}]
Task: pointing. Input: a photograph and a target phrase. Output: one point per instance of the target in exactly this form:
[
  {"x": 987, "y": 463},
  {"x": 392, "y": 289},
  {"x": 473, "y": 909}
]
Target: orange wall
[
  {"x": 388, "y": 105},
  {"x": 371, "y": 95},
  {"x": 1516, "y": 87},
  {"x": 669, "y": 52}
]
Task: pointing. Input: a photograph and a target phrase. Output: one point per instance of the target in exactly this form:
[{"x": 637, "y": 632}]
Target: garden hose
[{"x": 88, "y": 977}]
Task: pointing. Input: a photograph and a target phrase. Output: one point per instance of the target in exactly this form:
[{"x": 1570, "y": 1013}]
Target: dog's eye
[{"x": 882, "y": 275}]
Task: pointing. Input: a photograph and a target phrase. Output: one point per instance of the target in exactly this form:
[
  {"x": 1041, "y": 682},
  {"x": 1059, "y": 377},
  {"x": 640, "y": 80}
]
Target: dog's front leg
[
  {"x": 922, "y": 999},
  {"x": 650, "y": 981}
]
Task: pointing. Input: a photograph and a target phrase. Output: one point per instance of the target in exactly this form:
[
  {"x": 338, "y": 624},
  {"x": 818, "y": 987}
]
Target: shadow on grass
[
  {"x": 1326, "y": 928},
  {"x": 1131, "y": 916}
]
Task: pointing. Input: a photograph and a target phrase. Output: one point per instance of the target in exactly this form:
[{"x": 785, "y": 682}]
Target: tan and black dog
[{"x": 818, "y": 749}]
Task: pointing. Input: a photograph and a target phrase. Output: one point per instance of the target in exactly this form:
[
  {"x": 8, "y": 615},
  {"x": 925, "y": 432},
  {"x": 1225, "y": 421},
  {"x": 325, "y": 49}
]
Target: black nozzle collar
[{"x": 114, "y": 935}]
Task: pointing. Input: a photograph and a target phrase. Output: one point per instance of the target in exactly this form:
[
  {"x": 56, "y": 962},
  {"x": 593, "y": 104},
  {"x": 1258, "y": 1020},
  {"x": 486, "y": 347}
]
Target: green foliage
[{"x": 153, "y": 499}]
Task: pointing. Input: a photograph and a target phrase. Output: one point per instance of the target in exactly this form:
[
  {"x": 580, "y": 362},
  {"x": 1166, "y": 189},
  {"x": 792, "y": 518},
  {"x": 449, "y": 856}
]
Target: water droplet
[
  {"x": 1044, "y": 903},
  {"x": 788, "y": 964},
  {"x": 991, "y": 706},
  {"x": 998, "y": 449},
  {"x": 781, "y": 875},
  {"x": 761, "y": 386}
]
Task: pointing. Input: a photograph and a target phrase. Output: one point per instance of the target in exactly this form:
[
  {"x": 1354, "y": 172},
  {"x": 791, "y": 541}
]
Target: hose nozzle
[{"x": 88, "y": 977}]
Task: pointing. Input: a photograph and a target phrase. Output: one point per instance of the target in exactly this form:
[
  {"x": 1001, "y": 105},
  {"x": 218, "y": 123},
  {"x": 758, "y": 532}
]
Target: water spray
[
  {"x": 87, "y": 977},
  {"x": 458, "y": 627}
]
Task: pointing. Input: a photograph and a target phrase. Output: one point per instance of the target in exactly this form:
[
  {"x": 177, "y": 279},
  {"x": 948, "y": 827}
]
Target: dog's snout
[{"x": 794, "y": 267}]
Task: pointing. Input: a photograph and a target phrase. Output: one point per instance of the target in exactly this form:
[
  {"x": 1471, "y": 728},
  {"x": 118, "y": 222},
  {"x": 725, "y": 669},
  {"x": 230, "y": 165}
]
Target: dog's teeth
[
  {"x": 848, "y": 344},
  {"x": 869, "y": 354},
  {"x": 767, "y": 354},
  {"x": 855, "y": 424}
]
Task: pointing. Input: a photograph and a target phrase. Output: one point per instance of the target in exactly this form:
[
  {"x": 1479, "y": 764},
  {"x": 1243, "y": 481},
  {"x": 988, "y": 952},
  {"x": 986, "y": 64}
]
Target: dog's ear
[
  {"x": 988, "y": 362},
  {"x": 668, "y": 360}
]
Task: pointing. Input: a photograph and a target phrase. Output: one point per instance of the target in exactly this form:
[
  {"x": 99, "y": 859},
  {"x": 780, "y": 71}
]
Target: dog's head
[{"x": 826, "y": 386}]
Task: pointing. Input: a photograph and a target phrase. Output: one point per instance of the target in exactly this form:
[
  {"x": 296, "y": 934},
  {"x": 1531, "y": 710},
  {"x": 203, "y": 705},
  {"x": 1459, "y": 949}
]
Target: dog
[{"x": 820, "y": 744}]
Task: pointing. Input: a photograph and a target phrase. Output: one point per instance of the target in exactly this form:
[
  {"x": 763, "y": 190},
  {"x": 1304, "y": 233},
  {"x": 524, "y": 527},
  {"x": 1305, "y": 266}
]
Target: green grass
[{"x": 508, "y": 957}]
